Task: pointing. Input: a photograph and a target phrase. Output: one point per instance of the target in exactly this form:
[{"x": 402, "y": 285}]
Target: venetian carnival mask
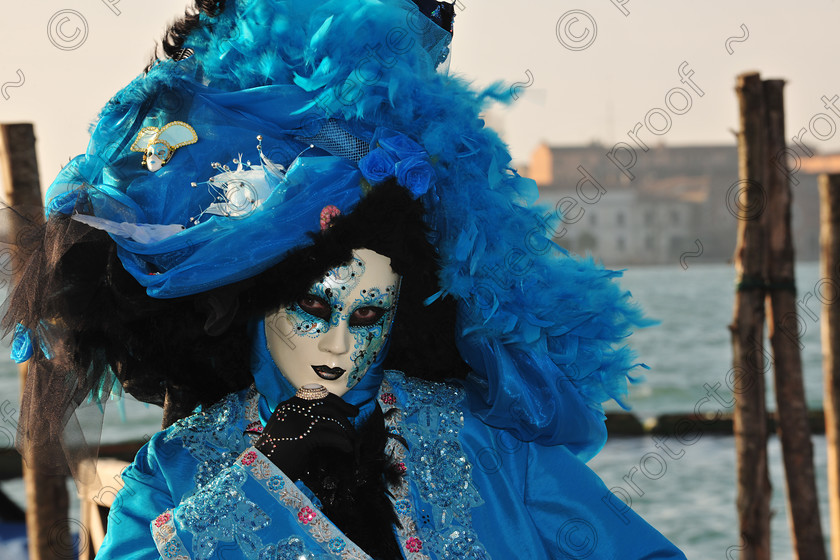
[
  {"x": 158, "y": 144},
  {"x": 332, "y": 335}
]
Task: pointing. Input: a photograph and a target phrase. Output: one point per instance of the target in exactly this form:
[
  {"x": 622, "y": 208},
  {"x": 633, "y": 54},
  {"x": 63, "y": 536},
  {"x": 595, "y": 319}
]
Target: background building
[{"x": 678, "y": 199}]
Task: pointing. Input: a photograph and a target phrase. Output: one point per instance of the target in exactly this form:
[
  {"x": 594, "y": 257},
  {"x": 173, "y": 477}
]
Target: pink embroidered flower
[
  {"x": 249, "y": 458},
  {"x": 306, "y": 515},
  {"x": 388, "y": 398},
  {"x": 327, "y": 214},
  {"x": 162, "y": 519},
  {"x": 401, "y": 467},
  {"x": 254, "y": 427},
  {"x": 414, "y": 544}
]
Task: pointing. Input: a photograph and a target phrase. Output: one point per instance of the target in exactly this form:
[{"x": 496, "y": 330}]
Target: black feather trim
[
  {"x": 177, "y": 33},
  {"x": 352, "y": 489}
]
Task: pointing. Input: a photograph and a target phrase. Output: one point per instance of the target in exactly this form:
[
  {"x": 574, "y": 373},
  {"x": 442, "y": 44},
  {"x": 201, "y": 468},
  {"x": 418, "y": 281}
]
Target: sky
[{"x": 582, "y": 70}]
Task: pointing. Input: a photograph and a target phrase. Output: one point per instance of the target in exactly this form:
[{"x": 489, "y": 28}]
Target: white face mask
[
  {"x": 157, "y": 154},
  {"x": 332, "y": 335}
]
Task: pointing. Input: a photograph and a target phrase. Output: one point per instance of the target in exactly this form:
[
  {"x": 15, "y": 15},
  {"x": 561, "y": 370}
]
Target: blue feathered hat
[{"x": 212, "y": 166}]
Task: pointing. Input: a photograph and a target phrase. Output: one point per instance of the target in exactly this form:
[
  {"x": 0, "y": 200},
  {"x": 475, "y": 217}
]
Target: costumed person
[{"x": 294, "y": 233}]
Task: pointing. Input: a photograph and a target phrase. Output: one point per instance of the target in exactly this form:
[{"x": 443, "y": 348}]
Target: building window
[
  {"x": 619, "y": 219},
  {"x": 586, "y": 242},
  {"x": 593, "y": 219},
  {"x": 619, "y": 244},
  {"x": 675, "y": 217}
]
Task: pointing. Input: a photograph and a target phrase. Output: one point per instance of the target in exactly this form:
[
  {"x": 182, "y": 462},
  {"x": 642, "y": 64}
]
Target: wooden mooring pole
[
  {"x": 789, "y": 386},
  {"x": 830, "y": 329},
  {"x": 747, "y": 328},
  {"x": 47, "y": 501}
]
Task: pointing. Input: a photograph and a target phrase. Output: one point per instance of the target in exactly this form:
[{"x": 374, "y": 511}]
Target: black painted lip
[{"x": 328, "y": 373}]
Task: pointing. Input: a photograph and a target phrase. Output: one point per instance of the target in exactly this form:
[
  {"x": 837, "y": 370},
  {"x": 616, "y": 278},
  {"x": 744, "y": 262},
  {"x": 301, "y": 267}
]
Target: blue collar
[{"x": 274, "y": 388}]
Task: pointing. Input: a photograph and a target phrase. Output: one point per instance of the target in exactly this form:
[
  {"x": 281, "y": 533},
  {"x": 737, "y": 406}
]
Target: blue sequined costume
[{"x": 200, "y": 490}]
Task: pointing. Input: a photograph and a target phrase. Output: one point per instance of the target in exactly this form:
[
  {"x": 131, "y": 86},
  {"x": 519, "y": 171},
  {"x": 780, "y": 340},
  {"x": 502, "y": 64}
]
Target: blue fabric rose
[
  {"x": 22, "y": 344},
  {"x": 396, "y": 143},
  {"x": 377, "y": 166},
  {"x": 394, "y": 154},
  {"x": 416, "y": 174}
]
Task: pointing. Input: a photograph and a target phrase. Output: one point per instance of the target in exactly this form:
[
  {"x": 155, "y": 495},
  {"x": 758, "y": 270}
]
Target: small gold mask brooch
[{"x": 158, "y": 144}]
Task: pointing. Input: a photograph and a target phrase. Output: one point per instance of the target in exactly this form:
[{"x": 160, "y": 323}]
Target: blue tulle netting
[{"x": 304, "y": 96}]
